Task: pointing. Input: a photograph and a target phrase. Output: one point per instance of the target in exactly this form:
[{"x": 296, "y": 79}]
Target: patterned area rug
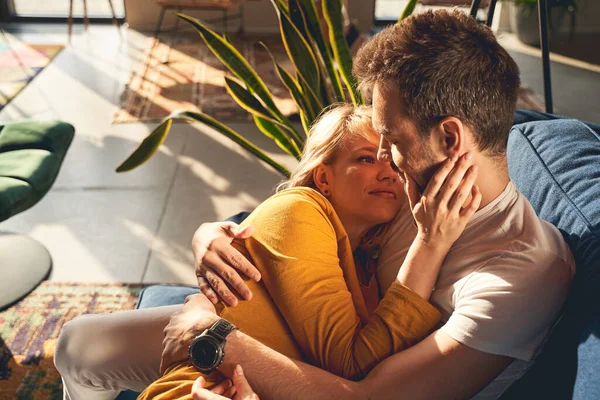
[
  {"x": 193, "y": 79},
  {"x": 29, "y": 331},
  {"x": 20, "y": 63}
]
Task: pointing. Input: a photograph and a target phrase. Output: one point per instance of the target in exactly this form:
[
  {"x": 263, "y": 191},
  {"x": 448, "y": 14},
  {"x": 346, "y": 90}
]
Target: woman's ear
[
  {"x": 451, "y": 131},
  {"x": 321, "y": 178}
]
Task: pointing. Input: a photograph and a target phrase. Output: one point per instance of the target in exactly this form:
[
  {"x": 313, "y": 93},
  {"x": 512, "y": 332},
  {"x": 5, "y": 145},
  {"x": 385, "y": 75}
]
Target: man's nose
[
  {"x": 383, "y": 152},
  {"x": 387, "y": 172}
]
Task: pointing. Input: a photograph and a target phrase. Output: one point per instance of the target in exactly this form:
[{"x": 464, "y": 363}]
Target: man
[{"x": 441, "y": 86}]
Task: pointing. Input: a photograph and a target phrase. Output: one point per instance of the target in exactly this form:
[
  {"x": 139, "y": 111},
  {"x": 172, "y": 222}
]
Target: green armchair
[{"x": 31, "y": 153}]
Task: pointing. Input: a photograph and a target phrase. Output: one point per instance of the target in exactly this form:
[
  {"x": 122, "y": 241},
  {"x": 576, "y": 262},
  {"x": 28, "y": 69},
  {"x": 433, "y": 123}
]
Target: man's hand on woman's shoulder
[{"x": 218, "y": 263}]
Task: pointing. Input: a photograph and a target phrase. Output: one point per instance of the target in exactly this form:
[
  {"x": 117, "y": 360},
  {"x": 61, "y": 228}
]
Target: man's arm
[{"x": 437, "y": 367}]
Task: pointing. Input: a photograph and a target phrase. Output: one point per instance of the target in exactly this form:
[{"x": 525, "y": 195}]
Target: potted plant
[
  {"x": 524, "y": 18},
  {"x": 323, "y": 76}
]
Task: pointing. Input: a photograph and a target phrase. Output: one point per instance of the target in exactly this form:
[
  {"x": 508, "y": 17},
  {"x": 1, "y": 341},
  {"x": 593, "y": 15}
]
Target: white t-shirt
[{"x": 502, "y": 285}]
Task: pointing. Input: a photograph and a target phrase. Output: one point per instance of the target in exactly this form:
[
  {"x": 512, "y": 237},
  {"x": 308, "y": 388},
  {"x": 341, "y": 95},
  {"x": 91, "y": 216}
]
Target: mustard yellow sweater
[{"x": 309, "y": 304}]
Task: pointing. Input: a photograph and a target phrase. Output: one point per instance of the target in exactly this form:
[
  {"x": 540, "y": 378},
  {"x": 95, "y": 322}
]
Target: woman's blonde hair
[{"x": 327, "y": 137}]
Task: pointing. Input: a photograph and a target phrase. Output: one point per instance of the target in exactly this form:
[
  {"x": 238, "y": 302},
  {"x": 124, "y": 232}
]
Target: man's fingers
[
  {"x": 234, "y": 279},
  {"x": 244, "y": 391},
  {"x": 230, "y": 228},
  {"x": 222, "y": 387},
  {"x": 245, "y": 232},
  {"x": 165, "y": 361},
  {"x": 221, "y": 288},
  {"x": 207, "y": 290},
  {"x": 235, "y": 259},
  {"x": 221, "y": 267}
]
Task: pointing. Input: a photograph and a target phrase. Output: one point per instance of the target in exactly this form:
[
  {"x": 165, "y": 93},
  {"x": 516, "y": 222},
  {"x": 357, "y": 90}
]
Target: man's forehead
[{"x": 382, "y": 119}]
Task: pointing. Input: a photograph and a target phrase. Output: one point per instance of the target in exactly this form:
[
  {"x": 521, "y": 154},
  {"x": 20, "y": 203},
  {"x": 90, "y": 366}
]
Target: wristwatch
[{"x": 206, "y": 352}]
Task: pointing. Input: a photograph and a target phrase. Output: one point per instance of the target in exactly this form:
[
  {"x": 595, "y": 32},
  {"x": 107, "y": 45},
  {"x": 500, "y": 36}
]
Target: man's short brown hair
[{"x": 446, "y": 64}]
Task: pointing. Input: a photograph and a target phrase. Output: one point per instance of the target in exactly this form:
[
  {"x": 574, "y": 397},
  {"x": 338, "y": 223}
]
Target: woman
[{"x": 315, "y": 245}]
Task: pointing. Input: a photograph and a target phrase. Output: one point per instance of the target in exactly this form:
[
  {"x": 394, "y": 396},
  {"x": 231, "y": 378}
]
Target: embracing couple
[{"x": 398, "y": 261}]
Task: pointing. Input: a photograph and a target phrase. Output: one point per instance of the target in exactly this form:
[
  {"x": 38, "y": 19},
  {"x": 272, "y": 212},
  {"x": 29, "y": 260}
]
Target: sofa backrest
[{"x": 555, "y": 163}]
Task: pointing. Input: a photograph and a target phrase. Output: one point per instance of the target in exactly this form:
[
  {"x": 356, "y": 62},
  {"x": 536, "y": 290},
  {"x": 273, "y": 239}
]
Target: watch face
[{"x": 204, "y": 353}]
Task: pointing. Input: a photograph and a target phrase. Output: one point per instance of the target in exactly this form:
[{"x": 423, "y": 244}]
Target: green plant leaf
[
  {"x": 299, "y": 20},
  {"x": 408, "y": 10},
  {"x": 293, "y": 87},
  {"x": 237, "y": 64},
  {"x": 305, "y": 122},
  {"x": 332, "y": 11},
  {"x": 245, "y": 99},
  {"x": 269, "y": 128},
  {"x": 299, "y": 50},
  {"x": 147, "y": 148},
  {"x": 313, "y": 24},
  {"x": 295, "y": 13},
  {"x": 251, "y": 104},
  {"x": 310, "y": 96},
  {"x": 282, "y": 5}
]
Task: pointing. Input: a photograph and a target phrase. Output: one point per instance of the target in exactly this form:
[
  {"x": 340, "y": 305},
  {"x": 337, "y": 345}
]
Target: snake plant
[{"x": 323, "y": 76}]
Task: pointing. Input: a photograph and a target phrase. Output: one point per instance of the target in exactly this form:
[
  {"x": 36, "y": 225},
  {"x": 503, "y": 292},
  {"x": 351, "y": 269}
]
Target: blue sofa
[{"x": 555, "y": 163}]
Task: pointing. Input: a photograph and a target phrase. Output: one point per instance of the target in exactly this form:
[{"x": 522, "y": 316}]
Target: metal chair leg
[
  {"x": 86, "y": 20},
  {"x": 543, "y": 18},
  {"x": 475, "y": 8},
  {"x": 491, "y": 10},
  {"x": 114, "y": 15},
  {"x": 70, "y": 19}
]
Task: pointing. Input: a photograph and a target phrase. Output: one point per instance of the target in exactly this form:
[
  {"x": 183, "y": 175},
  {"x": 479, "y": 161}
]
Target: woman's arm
[
  {"x": 441, "y": 214},
  {"x": 295, "y": 247}
]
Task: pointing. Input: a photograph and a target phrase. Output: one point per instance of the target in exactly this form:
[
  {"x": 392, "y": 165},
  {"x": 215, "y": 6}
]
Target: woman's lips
[{"x": 387, "y": 194}]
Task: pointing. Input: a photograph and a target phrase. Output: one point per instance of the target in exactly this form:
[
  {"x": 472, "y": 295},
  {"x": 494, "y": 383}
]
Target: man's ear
[
  {"x": 321, "y": 178},
  {"x": 451, "y": 131}
]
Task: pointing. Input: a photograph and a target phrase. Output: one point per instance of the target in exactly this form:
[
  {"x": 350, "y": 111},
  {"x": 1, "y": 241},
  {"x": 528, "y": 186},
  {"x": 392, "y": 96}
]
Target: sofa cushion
[{"x": 555, "y": 163}]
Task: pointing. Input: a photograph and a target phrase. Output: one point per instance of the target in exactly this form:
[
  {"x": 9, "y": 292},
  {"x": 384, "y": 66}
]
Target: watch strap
[{"x": 222, "y": 328}]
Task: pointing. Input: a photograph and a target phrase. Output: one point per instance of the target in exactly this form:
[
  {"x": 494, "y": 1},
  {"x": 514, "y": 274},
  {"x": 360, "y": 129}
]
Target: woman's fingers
[
  {"x": 470, "y": 209},
  {"x": 438, "y": 179},
  {"x": 412, "y": 191},
  {"x": 463, "y": 190},
  {"x": 454, "y": 179},
  {"x": 230, "y": 393},
  {"x": 222, "y": 387},
  {"x": 244, "y": 391},
  {"x": 199, "y": 393}
]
